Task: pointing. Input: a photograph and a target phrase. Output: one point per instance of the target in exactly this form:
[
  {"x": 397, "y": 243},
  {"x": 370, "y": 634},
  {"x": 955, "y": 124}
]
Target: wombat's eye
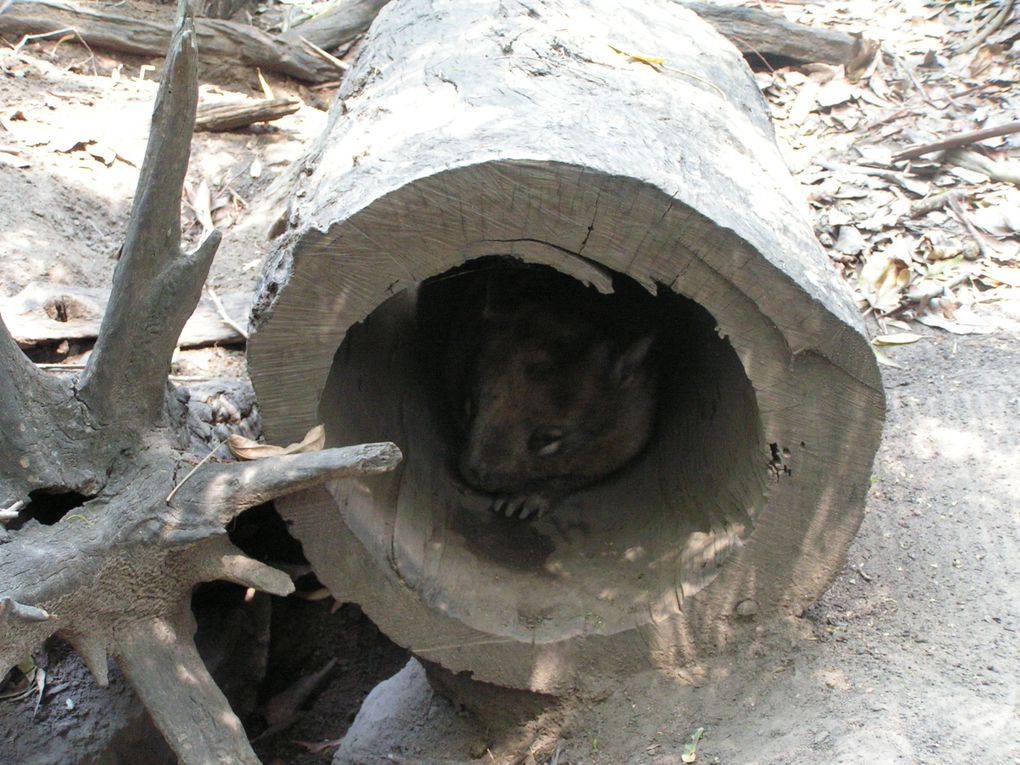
[{"x": 545, "y": 442}]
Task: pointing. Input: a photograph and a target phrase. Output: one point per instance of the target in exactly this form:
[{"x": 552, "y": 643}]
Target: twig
[
  {"x": 902, "y": 66},
  {"x": 191, "y": 472},
  {"x": 887, "y": 175},
  {"x": 1004, "y": 171},
  {"x": 222, "y": 311},
  {"x": 10, "y": 513},
  {"x": 343, "y": 66},
  {"x": 922, "y": 207},
  {"x": 958, "y": 140},
  {"x": 993, "y": 25},
  {"x": 957, "y": 209}
]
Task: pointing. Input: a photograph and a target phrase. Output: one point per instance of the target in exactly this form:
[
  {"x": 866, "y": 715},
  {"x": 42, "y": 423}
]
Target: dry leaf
[
  {"x": 897, "y": 338},
  {"x": 1007, "y": 276},
  {"x": 850, "y": 241},
  {"x": 13, "y": 158},
  {"x": 971, "y": 326},
  {"x": 884, "y": 360},
  {"x": 247, "y": 449},
  {"x": 653, "y": 61},
  {"x": 884, "y": 277},
  {"x": 201, "y": 203},
  {"x": 833, "y": 93}
]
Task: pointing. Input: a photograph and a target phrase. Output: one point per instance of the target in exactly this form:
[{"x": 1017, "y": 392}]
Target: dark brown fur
[{"x": 553, "y": 401}]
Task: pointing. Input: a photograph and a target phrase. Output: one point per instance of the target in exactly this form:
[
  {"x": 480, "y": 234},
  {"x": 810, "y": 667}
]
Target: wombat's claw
[{"x": 524, "y": 506}]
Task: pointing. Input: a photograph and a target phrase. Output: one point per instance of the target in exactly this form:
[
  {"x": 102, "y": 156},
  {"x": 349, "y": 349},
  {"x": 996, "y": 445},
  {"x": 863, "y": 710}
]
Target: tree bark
[
  {"x": 220, "y": 117},
  {"x": 759, "y": 34},
  {"x": 507, "y": 131}
]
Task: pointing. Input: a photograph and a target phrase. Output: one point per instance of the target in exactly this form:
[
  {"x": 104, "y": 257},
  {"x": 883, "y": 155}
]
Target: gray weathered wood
[
  {"x": 754, "y": 32},
  {"x": 217, "y": 39},
  {"x": 758, "y": 33},
  {"x": 484, "y": 128},
  {"x": 218, "y": 117},
  {"x": 338, "y": 23},
  {"x": 30, "y": 316},
  {"x": 114, "y": 576}
]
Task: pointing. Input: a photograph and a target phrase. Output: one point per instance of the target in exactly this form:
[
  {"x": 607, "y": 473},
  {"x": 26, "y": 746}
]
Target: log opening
[{"x": 610, "y": 555}]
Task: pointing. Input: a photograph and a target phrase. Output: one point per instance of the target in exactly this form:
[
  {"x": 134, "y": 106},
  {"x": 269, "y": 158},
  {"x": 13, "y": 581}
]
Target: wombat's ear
[{"x": 630, "y": 363}]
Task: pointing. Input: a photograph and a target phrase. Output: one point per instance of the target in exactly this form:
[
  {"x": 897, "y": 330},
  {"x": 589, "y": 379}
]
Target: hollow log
[{"x": 483, "y": 137}]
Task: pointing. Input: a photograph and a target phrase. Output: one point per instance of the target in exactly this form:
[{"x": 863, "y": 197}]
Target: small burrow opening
[
  {"x": 48, "y": 506},
  {"x": 622, "y": 424}
]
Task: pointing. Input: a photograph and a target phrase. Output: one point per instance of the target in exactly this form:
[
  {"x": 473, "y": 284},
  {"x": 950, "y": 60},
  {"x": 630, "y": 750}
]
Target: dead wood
[
  {"x": 338, "y": 24},
  {"x": 47, "y": 313},
  {"x": 1004, "y": 171},
  {"x": 219, "y": 117},
  {"x": 963, "y": 139},
  {"x": 114, "y": 576},
  {"x": 223, "y": 40},
  {"x": 755, "y": 33},
  {"x": 758, "y": 34}
]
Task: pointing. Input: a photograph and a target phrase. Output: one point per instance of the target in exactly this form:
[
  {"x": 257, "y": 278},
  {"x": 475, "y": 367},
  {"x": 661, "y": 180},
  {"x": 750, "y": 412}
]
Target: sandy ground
[{"x": 913, "y": 656}]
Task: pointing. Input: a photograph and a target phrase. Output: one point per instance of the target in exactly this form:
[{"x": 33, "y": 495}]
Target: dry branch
[
  {"x": 47, "y": 313},
  {"x": 963, "y": 139},
  {"x": 755, "y": 33},
  {"x": 220, "y": 117},
  {"x": 338, "y": 24},
  {"x": 758, "y": 33},
  {"x": 224, "y": 40},
  {"x": 153, "y": 278},
  {"x": 114, "y": 576}
]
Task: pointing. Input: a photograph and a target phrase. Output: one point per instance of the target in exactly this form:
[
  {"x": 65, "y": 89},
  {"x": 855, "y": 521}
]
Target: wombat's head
[{"x": 554, "y": 404}]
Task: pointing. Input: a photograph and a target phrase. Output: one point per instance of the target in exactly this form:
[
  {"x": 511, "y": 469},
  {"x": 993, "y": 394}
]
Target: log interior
[{"x": 607, "y": 558}]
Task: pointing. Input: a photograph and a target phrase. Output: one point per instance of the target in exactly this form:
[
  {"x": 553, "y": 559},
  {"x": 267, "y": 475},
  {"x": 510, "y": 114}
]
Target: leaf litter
[{"x": 933, "y": 238}]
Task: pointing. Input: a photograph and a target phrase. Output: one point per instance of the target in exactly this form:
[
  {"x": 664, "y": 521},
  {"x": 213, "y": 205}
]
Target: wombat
[{"x": 555, "y": 395}]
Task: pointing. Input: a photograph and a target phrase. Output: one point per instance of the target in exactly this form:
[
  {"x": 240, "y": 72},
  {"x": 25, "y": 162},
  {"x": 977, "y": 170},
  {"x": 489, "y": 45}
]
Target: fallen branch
[
  {"x": 218, "y": 39},
  {"x": 1005, "y": 171},
  {"x": 220, "y": 117},
  {"x": 340, "y": 23},
  {"x": 963, "y": 139},
  {"x": 756, "y": 34},
  {"x": 994, "y": 25},
  {"x": 48, "y": 313},
  {"x": 760, "y": 34},
  {"x": 114, "y": 577},
  {"x": 922, "y": 207}
]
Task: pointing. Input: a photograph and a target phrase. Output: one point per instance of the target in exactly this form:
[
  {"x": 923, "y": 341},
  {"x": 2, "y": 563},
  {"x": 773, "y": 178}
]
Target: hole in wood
[
  {"x": 48, "y": 506},
  {"x": 648, "y": 528},
  {"x": 65, "y": 308}
]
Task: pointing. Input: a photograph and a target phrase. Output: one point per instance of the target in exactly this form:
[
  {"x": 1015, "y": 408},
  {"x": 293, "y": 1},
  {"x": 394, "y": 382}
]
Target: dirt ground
[{"x": 913, "y": 656}]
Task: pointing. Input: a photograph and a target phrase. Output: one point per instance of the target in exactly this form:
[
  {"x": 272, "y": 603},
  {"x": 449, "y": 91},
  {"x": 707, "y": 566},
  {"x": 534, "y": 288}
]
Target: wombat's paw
[{"x": 523, "y": 506}]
